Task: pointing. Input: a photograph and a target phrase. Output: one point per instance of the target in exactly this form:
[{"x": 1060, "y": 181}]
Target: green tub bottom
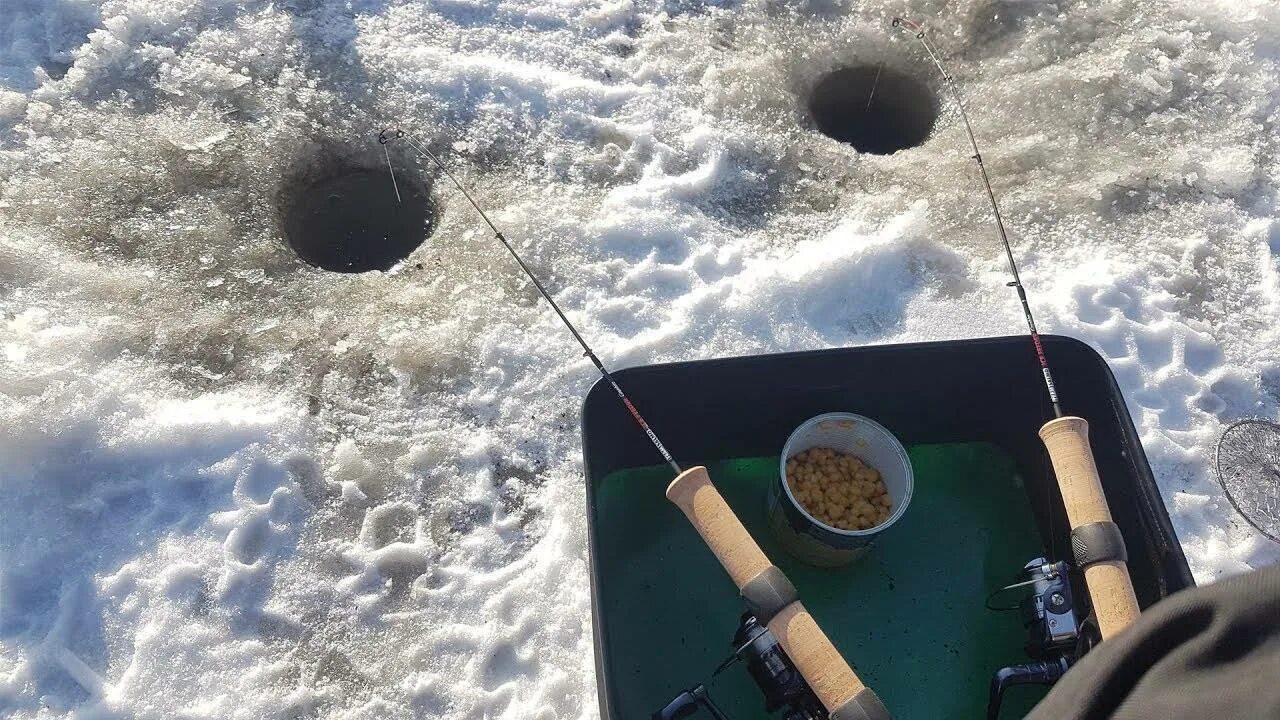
[{"x": 909, "y": 616}]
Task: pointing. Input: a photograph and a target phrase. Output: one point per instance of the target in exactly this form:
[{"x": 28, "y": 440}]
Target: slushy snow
[{"x": 234, "y": 486}]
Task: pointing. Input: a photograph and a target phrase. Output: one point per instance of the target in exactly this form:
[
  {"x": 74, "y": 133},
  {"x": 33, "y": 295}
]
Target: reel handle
[
  {"x": 828, "y": 674},
  {"x": 1108, "y": 582}
]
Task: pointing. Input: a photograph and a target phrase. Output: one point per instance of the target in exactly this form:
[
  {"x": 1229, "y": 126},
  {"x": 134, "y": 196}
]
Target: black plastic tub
[{"x": 909, "y": 616}]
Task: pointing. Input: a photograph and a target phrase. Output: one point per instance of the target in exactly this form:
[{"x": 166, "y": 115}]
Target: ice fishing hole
[
  {"x": 874, "y": 108},
  {"x": 350, "y": 220}
]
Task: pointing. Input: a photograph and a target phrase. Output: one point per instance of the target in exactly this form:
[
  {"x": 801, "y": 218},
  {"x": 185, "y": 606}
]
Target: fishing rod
[
  {"x": 1016, "y": 283},
  {"x": 1096, "y": 542},
  {"x": 586, "y": 349},
  {"x": 769, "y": 595}
]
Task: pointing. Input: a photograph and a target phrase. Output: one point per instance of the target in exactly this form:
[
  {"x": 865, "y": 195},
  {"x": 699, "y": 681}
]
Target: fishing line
[
  {"x": 874, "y": 84},
  {"x": 383, "y": 139},
  {"x": 1016, "y": 283},
  {"x": 390, "y": 168}
]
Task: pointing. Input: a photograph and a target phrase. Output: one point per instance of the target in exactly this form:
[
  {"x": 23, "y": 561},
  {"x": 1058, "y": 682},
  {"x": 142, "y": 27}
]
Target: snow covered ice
[{"x": 234, "y": 485}]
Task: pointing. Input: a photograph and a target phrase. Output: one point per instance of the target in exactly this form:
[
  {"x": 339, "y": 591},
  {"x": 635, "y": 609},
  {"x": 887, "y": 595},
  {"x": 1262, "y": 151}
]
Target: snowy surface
[{"x": 235, "y": 486}]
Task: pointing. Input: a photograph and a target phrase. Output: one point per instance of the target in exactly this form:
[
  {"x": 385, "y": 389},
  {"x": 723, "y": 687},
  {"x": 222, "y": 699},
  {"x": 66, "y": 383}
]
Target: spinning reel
[
  {"x": 783, "y": 687},
  {"x": 1055, "y": 636},
  {"x": 1056, "y": 639}
]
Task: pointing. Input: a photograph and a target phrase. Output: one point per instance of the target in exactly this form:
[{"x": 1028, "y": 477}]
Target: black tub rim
[{"x": 1148, "y": 489}]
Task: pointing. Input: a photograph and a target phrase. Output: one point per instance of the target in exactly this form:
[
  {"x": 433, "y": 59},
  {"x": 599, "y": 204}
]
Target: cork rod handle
[
  {"x": 1109, "y": 585},
  {"x": 819, "y": 662},
  {"x": 826, "y": 671},
  {"x": 714, "y": 520}
]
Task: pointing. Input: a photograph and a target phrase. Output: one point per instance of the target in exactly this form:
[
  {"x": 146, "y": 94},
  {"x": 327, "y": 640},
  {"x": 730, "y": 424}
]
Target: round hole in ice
[
  {"x": 874, "y": 108},
  {"x": 350, "y": 219}
]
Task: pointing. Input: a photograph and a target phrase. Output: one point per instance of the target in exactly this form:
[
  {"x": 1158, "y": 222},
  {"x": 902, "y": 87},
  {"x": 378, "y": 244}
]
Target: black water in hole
[
  {"x": 899, "y": 115},
  {"x": 350, "y": 220}
]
